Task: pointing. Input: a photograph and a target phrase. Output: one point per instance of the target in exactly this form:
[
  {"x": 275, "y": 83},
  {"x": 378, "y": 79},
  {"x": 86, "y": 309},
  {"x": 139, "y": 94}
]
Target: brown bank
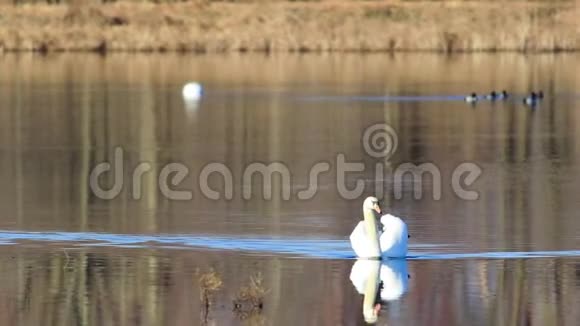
[{"x": 205, "y": 26}]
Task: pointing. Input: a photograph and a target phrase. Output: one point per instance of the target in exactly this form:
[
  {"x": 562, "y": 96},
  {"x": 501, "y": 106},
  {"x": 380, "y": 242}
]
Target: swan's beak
[{"x": 377, "y": 208}]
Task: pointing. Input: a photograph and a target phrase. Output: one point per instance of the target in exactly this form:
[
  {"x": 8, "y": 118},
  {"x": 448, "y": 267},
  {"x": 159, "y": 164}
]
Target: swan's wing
[
  {"x": 387, "y": 218},
  {"x": 393, "y": 240}
]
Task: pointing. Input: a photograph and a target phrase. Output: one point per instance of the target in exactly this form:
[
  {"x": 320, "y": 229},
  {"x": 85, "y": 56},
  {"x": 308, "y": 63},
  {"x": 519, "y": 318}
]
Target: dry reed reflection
[
  {"x": 209, "y": 282},
  {"x": 250, "y": 299}
]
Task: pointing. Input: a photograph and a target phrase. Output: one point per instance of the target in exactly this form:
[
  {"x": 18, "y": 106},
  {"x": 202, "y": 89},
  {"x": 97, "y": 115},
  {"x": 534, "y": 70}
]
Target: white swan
[{"x": 368, "y": 241}]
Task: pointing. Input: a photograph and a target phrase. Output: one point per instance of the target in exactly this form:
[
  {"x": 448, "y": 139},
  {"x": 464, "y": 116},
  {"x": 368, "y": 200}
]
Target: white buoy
[{"x": 192, "y": 92}]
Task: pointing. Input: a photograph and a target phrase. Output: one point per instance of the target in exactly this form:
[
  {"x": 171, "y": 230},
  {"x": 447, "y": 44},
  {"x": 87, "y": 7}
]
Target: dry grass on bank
[{"x": 293, "y": 26}]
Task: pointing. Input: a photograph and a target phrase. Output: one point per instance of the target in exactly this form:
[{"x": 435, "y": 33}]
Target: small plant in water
[
  {"x": 249, "y": 301},
  {"x": 209, "y": 283}
]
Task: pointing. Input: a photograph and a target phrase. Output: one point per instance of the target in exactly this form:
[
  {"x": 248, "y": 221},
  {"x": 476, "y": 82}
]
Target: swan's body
[{"x": 391, "y": 242}]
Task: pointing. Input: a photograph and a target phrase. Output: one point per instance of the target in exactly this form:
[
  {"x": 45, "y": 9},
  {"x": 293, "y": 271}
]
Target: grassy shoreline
[{"x": 323, "y": 26}]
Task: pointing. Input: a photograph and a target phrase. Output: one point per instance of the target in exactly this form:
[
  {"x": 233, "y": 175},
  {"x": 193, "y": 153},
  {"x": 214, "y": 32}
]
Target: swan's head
[{"x": 372, "y": 203}]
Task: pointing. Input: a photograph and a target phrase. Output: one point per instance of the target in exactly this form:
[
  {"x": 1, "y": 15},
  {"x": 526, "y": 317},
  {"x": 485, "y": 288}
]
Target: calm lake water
[{"x": 69, "y": 257}]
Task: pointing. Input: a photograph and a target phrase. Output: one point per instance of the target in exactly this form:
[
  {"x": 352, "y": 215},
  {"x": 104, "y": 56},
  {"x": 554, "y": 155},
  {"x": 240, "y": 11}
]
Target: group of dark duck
[{"x": 531, "y": 100}]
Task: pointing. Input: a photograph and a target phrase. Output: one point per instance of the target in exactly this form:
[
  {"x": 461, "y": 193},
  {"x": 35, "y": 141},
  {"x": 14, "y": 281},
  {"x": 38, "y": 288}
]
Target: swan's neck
[{"x": 372, "y": 233}]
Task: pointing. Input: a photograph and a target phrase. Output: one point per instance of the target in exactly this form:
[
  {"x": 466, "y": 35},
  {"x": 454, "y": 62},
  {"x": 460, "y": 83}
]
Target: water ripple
[{"x": 315, "y": 248}]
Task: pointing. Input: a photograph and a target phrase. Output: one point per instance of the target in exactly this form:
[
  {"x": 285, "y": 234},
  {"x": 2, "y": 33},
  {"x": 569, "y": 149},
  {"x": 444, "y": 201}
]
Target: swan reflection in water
[{"x": 379, "y": 282}]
